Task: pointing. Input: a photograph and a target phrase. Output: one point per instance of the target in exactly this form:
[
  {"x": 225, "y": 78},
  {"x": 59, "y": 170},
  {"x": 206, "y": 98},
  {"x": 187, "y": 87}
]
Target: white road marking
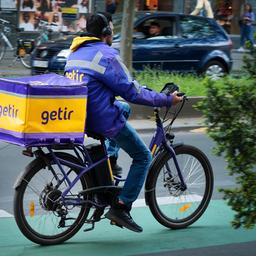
[
  {"x": 170, "y": 200},
  {"x": 4, "y": 214}
]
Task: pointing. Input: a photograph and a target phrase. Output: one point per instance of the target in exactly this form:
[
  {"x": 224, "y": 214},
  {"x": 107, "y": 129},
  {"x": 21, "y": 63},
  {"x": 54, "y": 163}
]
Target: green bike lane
[{"x": 211, "y": 230}]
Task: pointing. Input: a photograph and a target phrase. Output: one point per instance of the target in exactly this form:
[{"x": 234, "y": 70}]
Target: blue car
[{"x": 184, "y": 44}]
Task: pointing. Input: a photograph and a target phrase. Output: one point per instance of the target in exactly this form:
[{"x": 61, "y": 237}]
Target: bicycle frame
[
  {"x": 7, "y": 41},
  {"x": 158, "y": 140}
]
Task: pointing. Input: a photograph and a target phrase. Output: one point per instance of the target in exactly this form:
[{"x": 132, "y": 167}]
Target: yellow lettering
[
  {"x": 69, "y": 75},
  {"x": 81, "y": 77},
  {"x": 75, "y": 75}
]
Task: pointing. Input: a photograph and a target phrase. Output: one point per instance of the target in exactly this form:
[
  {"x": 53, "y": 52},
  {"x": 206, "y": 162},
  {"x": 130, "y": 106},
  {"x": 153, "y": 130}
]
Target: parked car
[{"x": 186, "y": 44}]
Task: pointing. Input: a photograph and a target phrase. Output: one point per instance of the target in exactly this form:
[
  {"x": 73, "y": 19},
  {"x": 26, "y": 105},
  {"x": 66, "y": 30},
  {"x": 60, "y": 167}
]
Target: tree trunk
[{"x": 127, "y": 32}]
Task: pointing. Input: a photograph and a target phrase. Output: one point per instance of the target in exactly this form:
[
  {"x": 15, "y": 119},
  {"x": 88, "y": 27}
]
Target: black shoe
[
  {"x": 121, "y": 216},
  {"x": 116, "y": 169}
]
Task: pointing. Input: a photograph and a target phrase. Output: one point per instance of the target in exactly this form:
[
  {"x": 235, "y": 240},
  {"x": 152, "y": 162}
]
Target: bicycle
[
  {"x": 24, "y": 46},
  {"x": 55, "y": 194}
]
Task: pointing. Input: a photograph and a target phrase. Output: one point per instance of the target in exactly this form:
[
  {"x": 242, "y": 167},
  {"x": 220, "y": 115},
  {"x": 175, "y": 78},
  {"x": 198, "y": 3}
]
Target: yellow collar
[{"x": 77, "y": 41}]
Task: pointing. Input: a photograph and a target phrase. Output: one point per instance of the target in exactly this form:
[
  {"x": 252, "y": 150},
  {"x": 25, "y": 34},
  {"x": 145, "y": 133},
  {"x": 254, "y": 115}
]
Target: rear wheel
[
  {"x": 169, "y": 204},
  {"x": 38, "y": 207}
]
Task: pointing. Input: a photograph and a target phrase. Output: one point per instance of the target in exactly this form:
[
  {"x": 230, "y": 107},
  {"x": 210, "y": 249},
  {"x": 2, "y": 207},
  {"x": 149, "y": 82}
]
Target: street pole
[
  {"x": 91, "y": 6},
  {"x": 127, "y": 33}
]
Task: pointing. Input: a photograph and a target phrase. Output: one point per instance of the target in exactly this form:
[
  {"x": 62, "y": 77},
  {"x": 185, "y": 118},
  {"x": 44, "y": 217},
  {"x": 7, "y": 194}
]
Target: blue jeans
[
  {"x": 129, "y": 140},
  {"x": 246, "y": 34},
  {"x": 112, "y": 147}
]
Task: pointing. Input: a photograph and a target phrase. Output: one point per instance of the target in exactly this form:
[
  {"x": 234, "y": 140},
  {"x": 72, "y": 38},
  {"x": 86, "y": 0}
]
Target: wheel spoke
[
  {"x": 172, "y": 206},
  {"x": 39, "y": 209}
]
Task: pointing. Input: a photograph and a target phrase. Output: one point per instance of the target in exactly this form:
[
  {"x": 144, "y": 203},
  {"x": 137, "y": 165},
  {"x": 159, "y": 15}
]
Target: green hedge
[
  {"x": 230, "y": 113},
  {"x": 192, "y": 85}
]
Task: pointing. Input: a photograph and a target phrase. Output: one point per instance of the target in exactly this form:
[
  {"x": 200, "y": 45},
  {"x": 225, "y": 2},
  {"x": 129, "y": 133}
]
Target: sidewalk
[{"x": 180, "y": 124}]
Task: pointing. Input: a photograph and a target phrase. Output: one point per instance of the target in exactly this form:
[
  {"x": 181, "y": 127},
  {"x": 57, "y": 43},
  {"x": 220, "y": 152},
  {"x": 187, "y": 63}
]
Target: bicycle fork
[
  {"x": 161, "y": 139},
  {"x": 183, "y": 186}
]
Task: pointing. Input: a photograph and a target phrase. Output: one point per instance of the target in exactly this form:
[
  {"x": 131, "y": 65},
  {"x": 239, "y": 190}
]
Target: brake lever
[{"x": 182, "y": 94}]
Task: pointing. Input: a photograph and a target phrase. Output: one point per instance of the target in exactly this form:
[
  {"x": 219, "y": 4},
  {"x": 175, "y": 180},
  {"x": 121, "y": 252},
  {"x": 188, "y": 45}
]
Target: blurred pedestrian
[
  {"x": 203, "y": 5},
  {"x": 110, "y": 6},
  {"x": 246, "y": 29}
]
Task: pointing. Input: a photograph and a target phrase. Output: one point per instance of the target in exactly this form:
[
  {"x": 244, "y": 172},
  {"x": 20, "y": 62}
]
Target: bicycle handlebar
[{"x": 168, "y": 89}]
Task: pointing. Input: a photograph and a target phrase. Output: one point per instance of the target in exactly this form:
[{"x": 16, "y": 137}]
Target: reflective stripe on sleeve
[{"x": 137, "y": 86}]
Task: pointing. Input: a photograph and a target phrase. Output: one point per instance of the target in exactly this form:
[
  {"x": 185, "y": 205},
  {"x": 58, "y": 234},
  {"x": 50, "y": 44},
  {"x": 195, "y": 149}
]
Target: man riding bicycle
[{"x": 93, "y": 61}]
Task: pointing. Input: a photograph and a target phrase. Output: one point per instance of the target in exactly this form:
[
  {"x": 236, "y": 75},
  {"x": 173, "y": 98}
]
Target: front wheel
[
  {"x": 39, "y": 210},
  {"x": 171, "y": 206}
]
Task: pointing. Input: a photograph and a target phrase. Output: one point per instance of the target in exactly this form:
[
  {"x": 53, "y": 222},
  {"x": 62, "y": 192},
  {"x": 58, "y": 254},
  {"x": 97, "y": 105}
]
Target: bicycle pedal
[
  {"x": 91, "y": 228},
  {"x": 116, "y": 224},
  {"x": 96, "y": 216}
]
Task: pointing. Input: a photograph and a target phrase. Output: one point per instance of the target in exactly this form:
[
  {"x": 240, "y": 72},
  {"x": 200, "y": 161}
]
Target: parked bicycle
[
  {"x": 56, "y": 193},
  {"x": 24, "y": 46}
]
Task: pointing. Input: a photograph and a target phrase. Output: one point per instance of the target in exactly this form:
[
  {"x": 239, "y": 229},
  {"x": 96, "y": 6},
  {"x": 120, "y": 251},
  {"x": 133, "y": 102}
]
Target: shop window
[
  {"x": 151, "y": 4},
  {"x": 223, "y": 14}
]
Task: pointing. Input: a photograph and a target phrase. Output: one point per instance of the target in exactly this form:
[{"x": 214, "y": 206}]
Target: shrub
[{"x": 229, "y": 109}]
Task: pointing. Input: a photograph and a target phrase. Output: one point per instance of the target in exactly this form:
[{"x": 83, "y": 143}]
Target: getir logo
[
  {"x": 9, "y": 111},
  {"x": 75, "y": 75},
  {"x": 60, "y": 114}
]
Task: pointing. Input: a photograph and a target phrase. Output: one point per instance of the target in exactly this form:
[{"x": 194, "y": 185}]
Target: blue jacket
[{"x": 106, "y": 76}]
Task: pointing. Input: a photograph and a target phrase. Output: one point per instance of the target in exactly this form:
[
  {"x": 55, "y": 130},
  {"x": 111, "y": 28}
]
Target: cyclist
[{"x": 93, "y": 60}]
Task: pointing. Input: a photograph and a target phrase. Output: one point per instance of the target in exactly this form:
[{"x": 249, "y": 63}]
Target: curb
[{"x": 174, "y": 129}]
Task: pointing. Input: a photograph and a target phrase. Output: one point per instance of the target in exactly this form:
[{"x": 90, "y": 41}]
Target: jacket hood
[{"x": 78, "y": 41}]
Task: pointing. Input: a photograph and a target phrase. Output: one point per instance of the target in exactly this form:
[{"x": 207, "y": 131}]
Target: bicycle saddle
[{"x": 95, "y": 135}]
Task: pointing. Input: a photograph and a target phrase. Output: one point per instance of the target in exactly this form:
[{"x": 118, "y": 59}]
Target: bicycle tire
[
  {"x": 2, "y": 49},
  {"x": 26, "y": 60},
  {"x": 179, "y": 209},
  {"x": 27, "y": 225}
]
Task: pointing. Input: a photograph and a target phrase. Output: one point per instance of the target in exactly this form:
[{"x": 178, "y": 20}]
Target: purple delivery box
[{"x": 42, "y": 110}]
